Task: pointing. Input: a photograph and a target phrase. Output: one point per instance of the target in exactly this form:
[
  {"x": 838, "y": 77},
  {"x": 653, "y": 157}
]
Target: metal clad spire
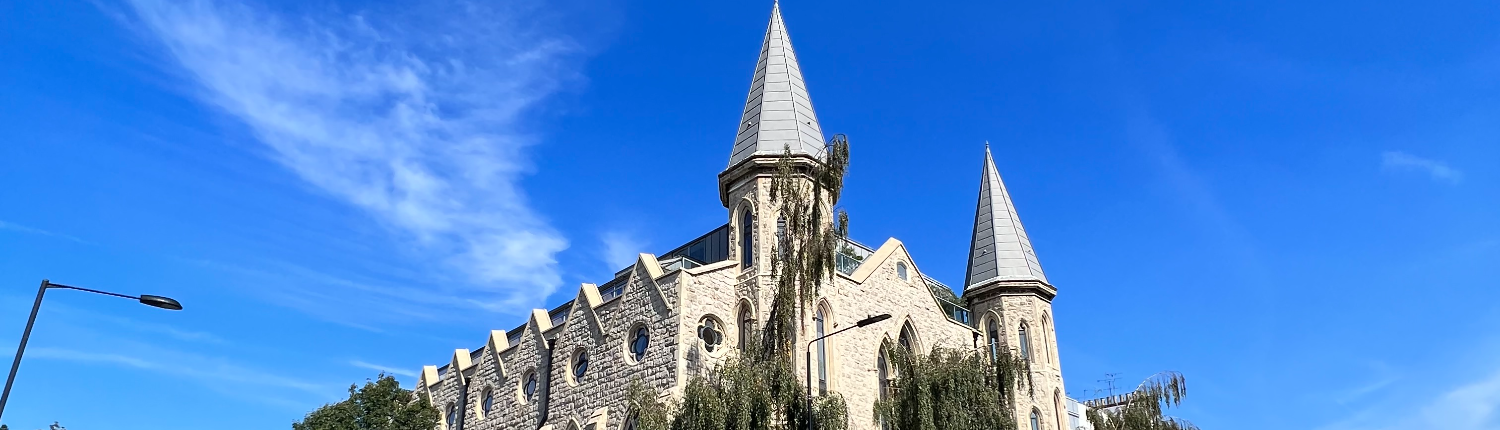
[
  {"x": 778, "y": 111},
  {"x": 1000, "y": 249}
]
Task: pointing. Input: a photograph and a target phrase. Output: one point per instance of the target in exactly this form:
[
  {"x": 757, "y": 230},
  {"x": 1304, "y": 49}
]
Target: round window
[
  {"x": 711, "y": 332},
  {"x": 580, "y": 365},
  {"x": 639, "y": 340},
  {"x": 528, "y": 387}
]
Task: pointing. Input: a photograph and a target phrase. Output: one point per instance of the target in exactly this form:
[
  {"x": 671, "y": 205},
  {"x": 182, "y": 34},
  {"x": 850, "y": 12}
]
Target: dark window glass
[
  {"x": 711, "y": 334},
  {"x": 747, "y": 227},
  {"x": 994, "y": 340},
  {"x": 901, "y": 270},
  {"x": 1025, "y": 343},
  {"x": 1035, "y": 423},
  {"x": 452, "y": 415},
  {"x": 883, "y": 374},
  {"x": 819, "y": 322},
  {"x": 639, "y": 342},
  {"x": 747, "y": 327},
  {"x": 906, "y": 338},
  {"x": 630, "y": 421},
  {"x": 580, "y": 365},
  {"x": 530, "y": 388},
  {"x": 487, "y": 402}
]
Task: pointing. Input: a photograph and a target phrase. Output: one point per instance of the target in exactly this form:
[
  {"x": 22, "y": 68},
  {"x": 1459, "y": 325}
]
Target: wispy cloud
[
  {"x": 1397, "y": 160},
  {"x": 379, "y": 368},
  {"x": 411, "y": 115},
  {"x": 620, "y": 249},
  {"x": 198, "y": 368},
  {"x": 36, "y": 231},
  {"x": 1469, "y": 406}
]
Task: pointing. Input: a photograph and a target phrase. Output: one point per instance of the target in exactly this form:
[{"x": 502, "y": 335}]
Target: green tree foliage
[
  {"x": 951, "y": 389},
  {"x": 1144, "y": 408},
  {"x": 379, "y": 405},
  {"x": 759, "y": 389},
  {"x": 649, "y": 412},
  {"x": 4, "y": 427}
]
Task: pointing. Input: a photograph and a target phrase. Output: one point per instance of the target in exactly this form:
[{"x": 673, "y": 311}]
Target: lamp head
[
  {"x": 160, "y": 302},
  {"x": 872, "y": 320}
]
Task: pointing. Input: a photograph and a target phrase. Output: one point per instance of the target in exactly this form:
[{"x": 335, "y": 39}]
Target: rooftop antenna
[{"x": 1109, "y": 379}]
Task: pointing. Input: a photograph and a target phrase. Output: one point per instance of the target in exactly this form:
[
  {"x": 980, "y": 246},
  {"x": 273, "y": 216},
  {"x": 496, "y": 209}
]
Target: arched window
[
  {"x": 781, "y": 244},
  {"x": 747, "y": 326},
  {"x": 901, "y": 270},
  {"x": 1057, "y": 406},
  {"x": 993, "y": 329},
  {"x": 452, "y": 415},
  {"x": 1025, "y": 342},
  {"x": 486, "y": 402},
  {"x": 883, "y": 376},
  {"x": 747, "y": 229},
  {"x": 1047, "y": 336},
  {"x": 1036, "y": 422},
  {"x": 908, "y": 338},
  {"x": 820, "y": 321}
]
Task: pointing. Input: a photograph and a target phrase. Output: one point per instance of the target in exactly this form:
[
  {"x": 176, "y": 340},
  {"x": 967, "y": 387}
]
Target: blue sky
[{"x": 1293, "y": 204}]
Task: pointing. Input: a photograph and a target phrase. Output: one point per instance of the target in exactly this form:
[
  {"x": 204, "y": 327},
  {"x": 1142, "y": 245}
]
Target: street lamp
[
  {"x": 860, "y": 323},
  {"x": 145, "y": 299}
]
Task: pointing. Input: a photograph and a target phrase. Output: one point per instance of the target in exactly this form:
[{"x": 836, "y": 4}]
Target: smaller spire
[{"x": 1000, "y": 249}]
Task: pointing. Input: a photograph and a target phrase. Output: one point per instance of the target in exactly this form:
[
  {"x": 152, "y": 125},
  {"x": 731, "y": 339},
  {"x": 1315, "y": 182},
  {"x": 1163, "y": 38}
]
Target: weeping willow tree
[
  {"x": 759, "y": 389},
  {"x": 950, "y": 389},
  {"x": 1144, "y": 408}
]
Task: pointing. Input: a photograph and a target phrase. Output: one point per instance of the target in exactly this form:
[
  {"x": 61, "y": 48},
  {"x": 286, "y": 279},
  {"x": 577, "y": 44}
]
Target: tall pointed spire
[
  {"x": 778, "y": 112},
  {"x": 1000, "y": 250}
]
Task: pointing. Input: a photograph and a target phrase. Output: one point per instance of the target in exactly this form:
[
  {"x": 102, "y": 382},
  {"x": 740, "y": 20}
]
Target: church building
[{"x": 669, "y": 317}]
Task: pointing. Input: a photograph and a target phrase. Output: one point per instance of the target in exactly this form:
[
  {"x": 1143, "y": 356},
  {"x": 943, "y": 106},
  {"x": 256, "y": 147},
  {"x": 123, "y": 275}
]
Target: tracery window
[
  {"x": 528, "y": 387},
  {"x": 580, "y": 365},
  {"x": 639, "y": 340},
  {"x": 908, "y": 338},
  {"x": 452, "y": 415},
  {"x": 487, "y": 402},
  {"x": 711, "y": 332}
]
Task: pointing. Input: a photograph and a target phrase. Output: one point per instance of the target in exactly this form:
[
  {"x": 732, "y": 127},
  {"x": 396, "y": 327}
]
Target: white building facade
[{"x": 670, "y": 317}]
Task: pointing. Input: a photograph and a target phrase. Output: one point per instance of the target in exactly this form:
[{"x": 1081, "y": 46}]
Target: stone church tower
[
  {"x": 669, "y": 318},
  {"x": 1006, "y": 288}
]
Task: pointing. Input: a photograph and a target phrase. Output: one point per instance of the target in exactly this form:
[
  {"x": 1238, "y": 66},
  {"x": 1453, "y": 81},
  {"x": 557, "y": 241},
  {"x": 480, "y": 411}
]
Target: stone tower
[
  {"x": 1010, "y": 295},
  {"x": 778, "y": 117}
]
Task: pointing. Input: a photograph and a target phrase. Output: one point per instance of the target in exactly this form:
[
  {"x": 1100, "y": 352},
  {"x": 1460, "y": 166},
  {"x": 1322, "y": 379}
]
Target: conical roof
[
  {"x": 1000, "y": 250},
  {"x": 778, "y": 112}
]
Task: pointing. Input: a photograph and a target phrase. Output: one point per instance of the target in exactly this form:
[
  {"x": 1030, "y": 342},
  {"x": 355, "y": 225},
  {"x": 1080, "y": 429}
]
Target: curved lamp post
[
  {"x": 145, "y": 299},
  {"x": 860, "y": 323}
]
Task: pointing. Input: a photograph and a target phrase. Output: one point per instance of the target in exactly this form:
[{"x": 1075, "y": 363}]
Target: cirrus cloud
[{"x": 412, "y": 116}]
